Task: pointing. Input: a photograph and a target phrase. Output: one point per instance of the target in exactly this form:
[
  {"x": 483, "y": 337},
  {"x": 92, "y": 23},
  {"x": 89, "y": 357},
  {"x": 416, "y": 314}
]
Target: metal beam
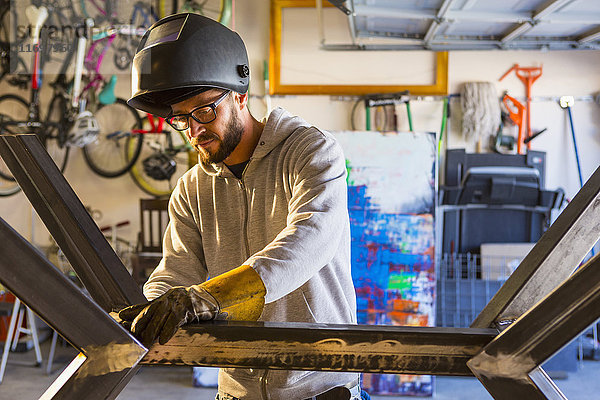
[
  {"x": 573, "y": 18},
  {"x": 589, "y": 36},
  {"x": 109, "y": 354},
  {"x": 523, "y": 23},
  {"x": 323, "y": 347},
  {"x": 505, "y": 365},
  {"x": 432, "y": 14},
  {"x": 457, "y": 44},
  {"x": 538, "y": 16},
  {"x": 341, "y": 6},
  {"x": 488, "y": 16},
  {"x": 543, "y": 15},
  {"x": 468, "y": 4},
  {"x": 394, "y": 12},
  {"x": 552, "y": 260},
  {"x": 78, "y": 236},
  {"x": 550, "y": 7},
  {"x": 435, "y": 24},
  {"x": 516, "y": 32}
]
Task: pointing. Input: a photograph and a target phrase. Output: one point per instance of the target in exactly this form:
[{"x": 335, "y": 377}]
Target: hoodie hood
[{"x": 279, "y": 126}]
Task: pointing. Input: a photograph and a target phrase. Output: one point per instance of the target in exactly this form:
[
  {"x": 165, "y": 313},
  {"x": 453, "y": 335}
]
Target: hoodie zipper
[{"x": 263, "y": 379}]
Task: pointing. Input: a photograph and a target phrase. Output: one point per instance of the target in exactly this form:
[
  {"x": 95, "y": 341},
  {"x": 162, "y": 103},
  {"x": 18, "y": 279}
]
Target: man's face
[{"x": 216, "y": 140}]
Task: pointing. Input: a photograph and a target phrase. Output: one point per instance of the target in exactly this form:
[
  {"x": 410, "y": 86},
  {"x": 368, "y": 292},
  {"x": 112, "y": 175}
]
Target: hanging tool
[
  {"x": 530, "y": 138},
  {"x": 409, "y": 115},
  {"x": 527, "y": 75},
  {"x": 445, "y": 114},
  {"x": 373, "y": 100},
  {"x": 566, "y": 102},
  {"x": 516, "y": 110},
  {"x": 36, "y": 17}
]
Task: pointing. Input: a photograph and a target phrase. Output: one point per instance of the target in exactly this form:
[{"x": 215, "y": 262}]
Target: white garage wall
[{"x": 565, "y": 73}]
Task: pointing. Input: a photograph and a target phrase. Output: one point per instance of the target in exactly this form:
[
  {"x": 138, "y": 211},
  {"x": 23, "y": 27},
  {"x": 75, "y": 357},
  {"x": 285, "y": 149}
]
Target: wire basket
[{"x": 466, "y": 283}]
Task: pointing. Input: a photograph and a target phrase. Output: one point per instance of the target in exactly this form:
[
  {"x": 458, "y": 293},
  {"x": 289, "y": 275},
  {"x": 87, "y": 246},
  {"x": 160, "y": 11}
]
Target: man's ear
[{"x": 241, "y": 99}]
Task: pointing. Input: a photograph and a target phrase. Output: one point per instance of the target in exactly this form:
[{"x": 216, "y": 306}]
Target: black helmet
[{"x": 183, "y": 55}]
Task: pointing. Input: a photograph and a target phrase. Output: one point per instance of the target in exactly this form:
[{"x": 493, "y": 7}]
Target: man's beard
[{"x": 232, "y": 137}]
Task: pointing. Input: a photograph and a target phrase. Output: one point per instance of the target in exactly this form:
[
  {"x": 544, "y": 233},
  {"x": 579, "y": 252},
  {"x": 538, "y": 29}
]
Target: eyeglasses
[{"x": 202, "y": 115}]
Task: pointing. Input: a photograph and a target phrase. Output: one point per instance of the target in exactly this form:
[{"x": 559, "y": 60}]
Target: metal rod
[{"x": 549, "y": 8}]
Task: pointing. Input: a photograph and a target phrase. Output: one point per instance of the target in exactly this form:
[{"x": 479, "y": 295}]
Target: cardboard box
[{"x": 499, "y": 260}]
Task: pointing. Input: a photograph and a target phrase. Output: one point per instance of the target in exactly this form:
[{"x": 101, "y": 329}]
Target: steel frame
[
  {"x": 507, "y": 363},
  {"x": 109, "y": 354},
  {"x": 509, "y": 366},
  {"x": 74, "y": 230}
]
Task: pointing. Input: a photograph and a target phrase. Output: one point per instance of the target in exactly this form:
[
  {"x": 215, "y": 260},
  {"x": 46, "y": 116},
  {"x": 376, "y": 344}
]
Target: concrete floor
[{"x": 24, "y": 382}]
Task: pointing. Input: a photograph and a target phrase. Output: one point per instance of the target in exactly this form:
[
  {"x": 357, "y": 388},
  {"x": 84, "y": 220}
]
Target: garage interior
[{"x": 471, "y": 134}]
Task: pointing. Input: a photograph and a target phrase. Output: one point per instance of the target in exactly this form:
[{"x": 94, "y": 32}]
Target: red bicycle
[{"x": 165, "y": 155}]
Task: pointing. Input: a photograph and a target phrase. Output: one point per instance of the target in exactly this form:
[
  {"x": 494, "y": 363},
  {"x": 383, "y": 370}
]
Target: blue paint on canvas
[{"x": 390, "y": 204}]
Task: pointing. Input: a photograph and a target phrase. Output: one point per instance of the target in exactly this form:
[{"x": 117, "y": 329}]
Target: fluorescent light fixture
[{"x": 518, "y": 31}]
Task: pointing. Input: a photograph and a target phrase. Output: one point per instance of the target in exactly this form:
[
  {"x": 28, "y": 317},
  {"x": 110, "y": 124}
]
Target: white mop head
[{"x": 481, "y": 111}]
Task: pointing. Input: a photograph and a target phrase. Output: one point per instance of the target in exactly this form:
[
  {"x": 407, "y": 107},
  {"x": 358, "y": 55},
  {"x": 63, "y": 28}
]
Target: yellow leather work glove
[{"x": 235, "y": 295}]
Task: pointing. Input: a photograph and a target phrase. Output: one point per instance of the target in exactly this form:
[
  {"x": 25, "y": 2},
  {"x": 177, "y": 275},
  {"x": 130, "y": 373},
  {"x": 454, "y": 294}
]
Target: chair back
[{"x": 153, "y": 222}]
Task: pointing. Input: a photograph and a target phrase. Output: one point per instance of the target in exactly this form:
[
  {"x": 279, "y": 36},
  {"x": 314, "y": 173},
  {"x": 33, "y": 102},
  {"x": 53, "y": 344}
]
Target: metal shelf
[{"x": 443, "y": 25}]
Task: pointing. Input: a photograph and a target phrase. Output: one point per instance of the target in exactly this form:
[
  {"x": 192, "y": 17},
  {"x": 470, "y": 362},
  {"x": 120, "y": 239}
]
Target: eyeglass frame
[{"x": 212, "y": 105}]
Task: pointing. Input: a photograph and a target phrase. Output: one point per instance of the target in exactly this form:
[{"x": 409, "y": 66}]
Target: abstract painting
[{"x": 391, "y": 197}]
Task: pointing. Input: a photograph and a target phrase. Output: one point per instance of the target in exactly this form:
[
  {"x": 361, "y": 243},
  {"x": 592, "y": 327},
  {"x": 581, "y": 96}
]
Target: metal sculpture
[{"x": 536, "y": 312}]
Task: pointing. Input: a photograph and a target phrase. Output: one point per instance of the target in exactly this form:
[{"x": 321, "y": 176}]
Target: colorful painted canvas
[{"x": 391, "y": 191}]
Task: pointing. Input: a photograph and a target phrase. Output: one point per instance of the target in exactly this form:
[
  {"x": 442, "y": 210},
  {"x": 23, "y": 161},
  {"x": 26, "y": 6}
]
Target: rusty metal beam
[
  {"x": 323, "y": 347},
  {"x": 78, "y": 236},
  {"x": 508, "y": 366},
  {"x": 109, "y": 354}
]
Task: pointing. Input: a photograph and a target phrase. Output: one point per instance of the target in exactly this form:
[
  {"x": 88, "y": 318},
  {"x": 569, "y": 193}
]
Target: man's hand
[
  {"x": 161, "y": 317},
  {"x": 235, "y": 295}
]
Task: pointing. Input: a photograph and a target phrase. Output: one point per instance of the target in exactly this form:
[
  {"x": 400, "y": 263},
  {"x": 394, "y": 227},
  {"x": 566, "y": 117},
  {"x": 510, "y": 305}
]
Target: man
[{"x": 264, "y": 213}]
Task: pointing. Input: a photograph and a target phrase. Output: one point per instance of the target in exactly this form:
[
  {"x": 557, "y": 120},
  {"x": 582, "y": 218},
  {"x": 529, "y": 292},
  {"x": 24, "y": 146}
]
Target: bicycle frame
[
  {"x": 138, "y": 9},
  {"x": 157, "y": 126},
  {"x": 108, "y": 12},
  {"x": 97, "y": 78}
]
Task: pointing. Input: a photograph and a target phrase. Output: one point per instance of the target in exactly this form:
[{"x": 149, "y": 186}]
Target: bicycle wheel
[
  {"x": 12, "y": 108},
  {"x": 55, "y": 136},
  {"x": 108, "y": 156},
  {"x": 15, "y": 108},
  {"x": 4, "y": 40},
  {"x": 10, "y": 62},
  {"x": 8, "y": 185},
  {"x": 7, "y": 188},
  {"x": 171, "y": 144}
]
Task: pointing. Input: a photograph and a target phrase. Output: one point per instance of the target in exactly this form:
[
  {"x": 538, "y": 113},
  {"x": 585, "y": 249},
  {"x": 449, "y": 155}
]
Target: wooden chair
[{"x": 153, "y": 222}]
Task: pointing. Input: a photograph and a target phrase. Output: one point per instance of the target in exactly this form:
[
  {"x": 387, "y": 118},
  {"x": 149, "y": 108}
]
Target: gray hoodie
[{"x": 287, "y": 218}]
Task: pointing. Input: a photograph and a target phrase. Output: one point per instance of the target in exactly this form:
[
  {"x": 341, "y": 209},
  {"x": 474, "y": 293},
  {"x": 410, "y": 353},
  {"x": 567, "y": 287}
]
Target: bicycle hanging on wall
[{"x": 75, "y": 117}]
